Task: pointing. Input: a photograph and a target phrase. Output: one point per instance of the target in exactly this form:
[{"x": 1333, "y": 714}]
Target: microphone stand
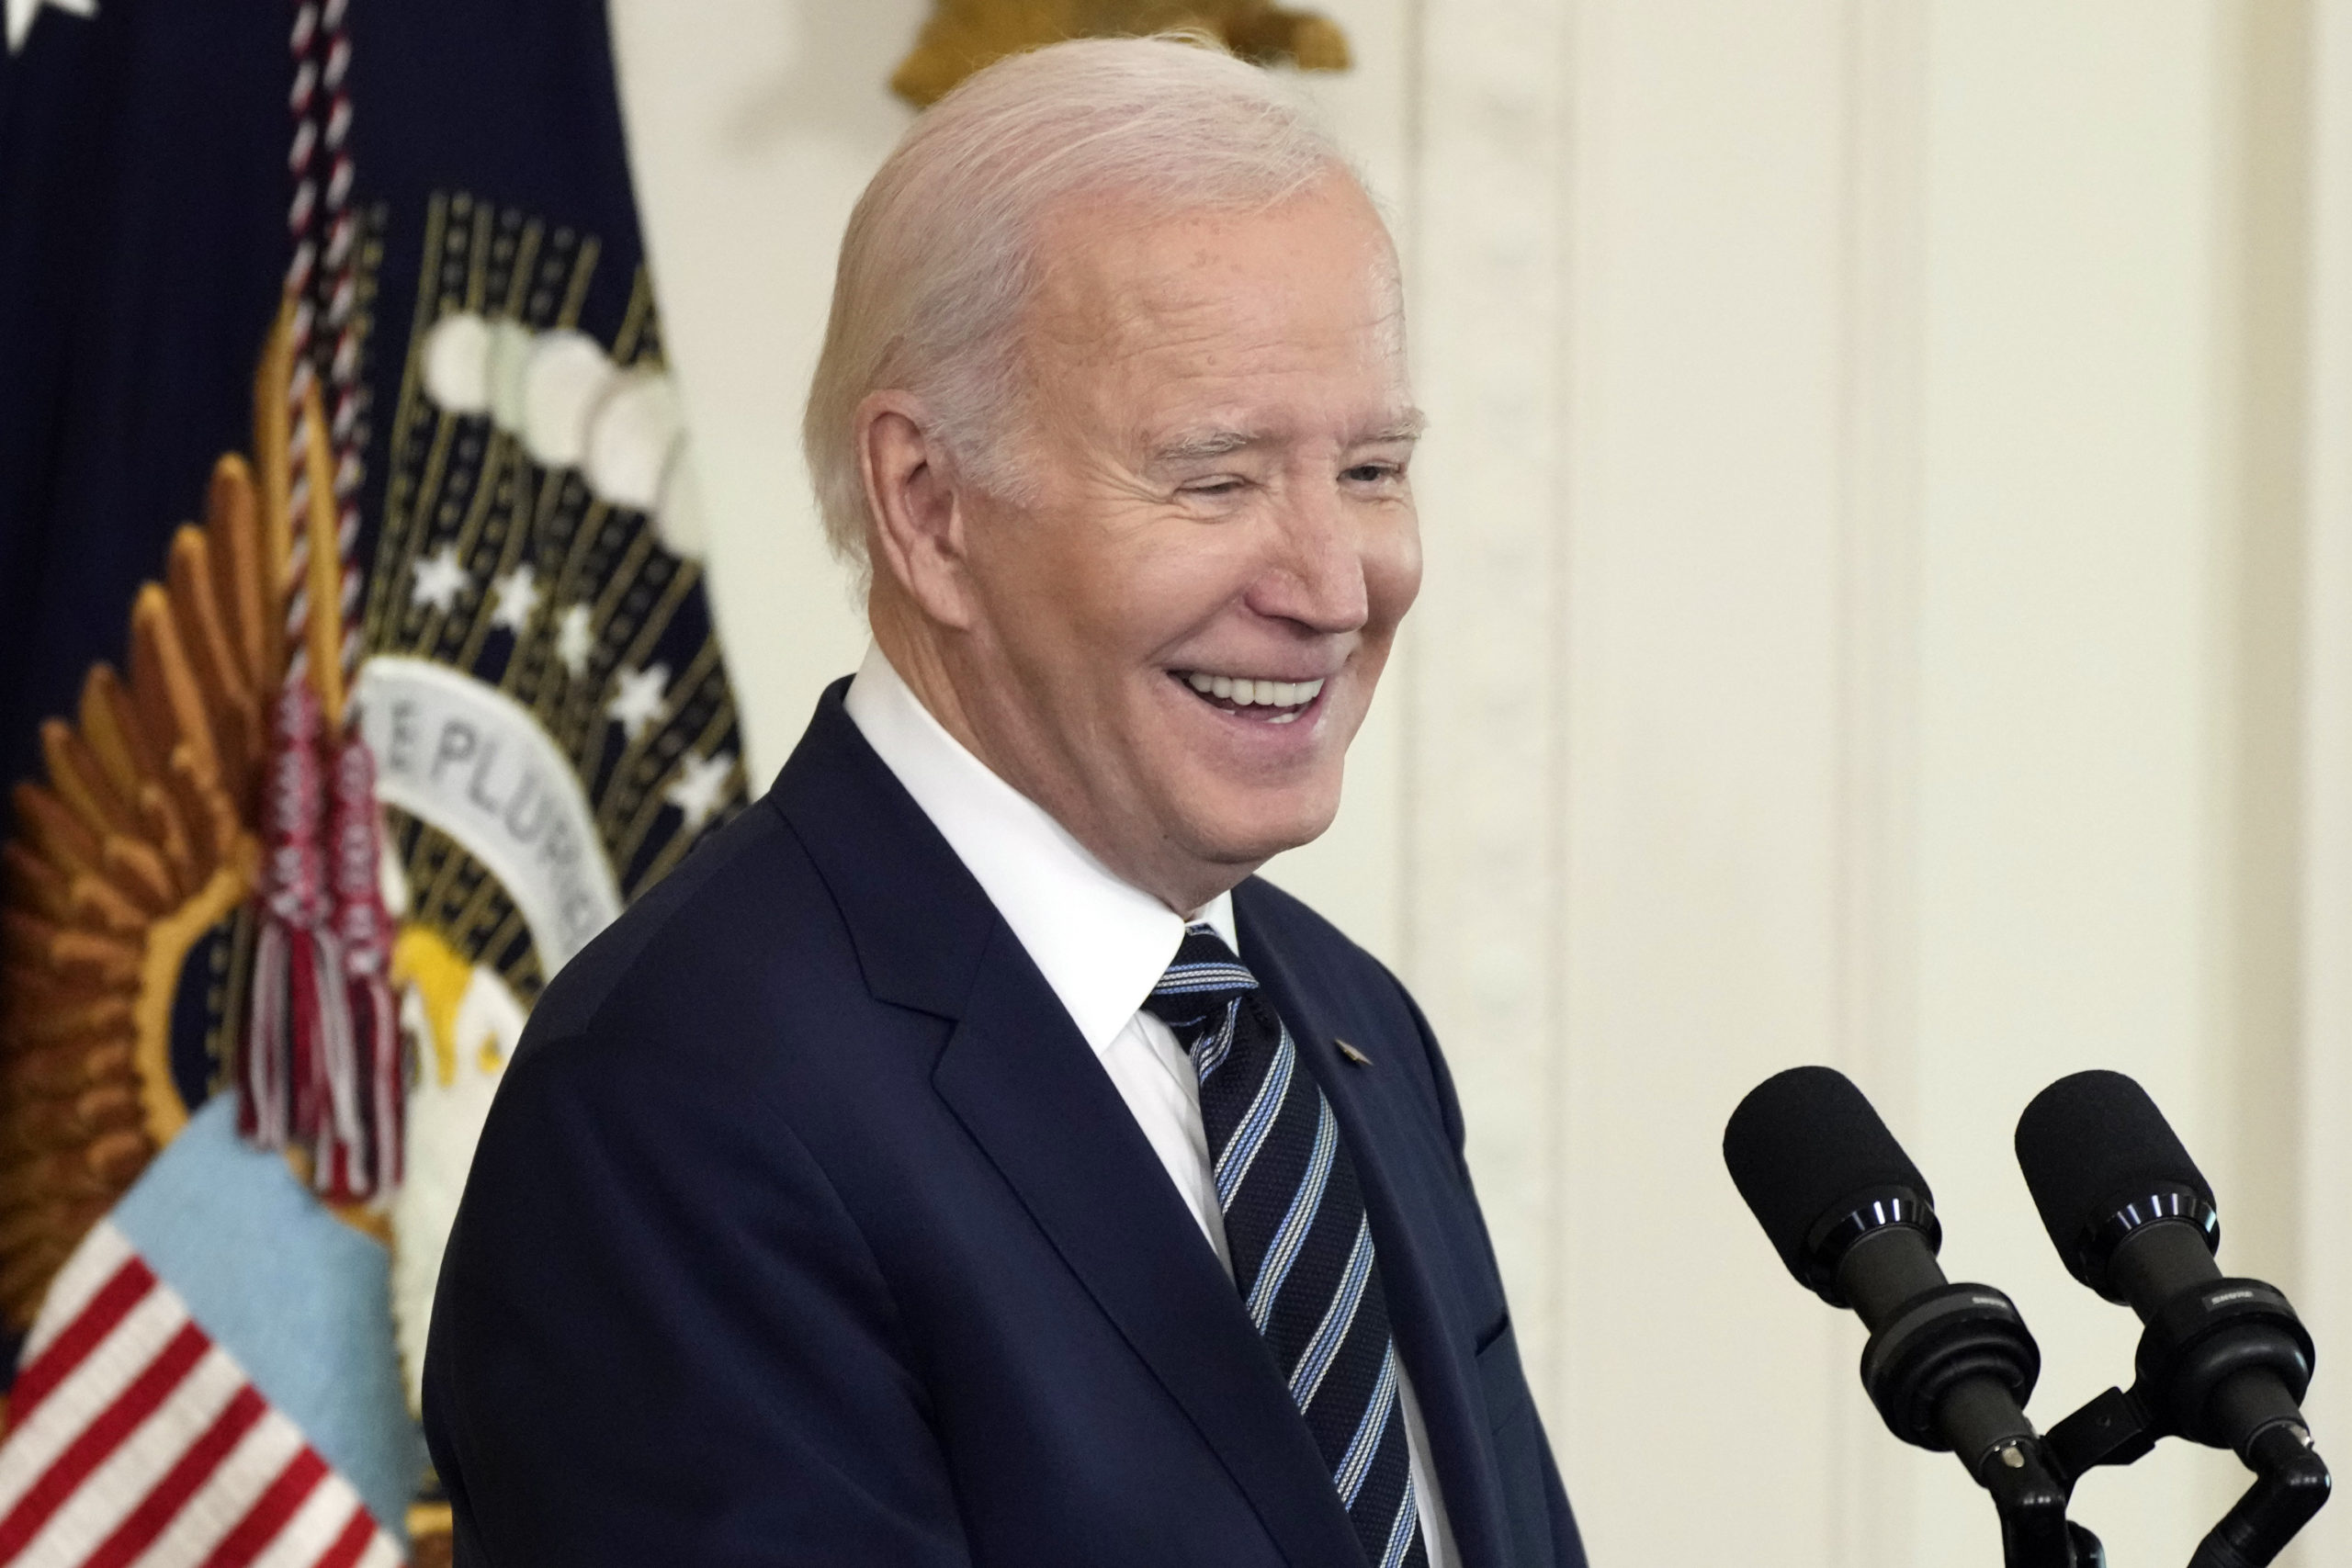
[
  {"x": 2290, "y": 1483},
  {"x": 2031, "y": 1503}
]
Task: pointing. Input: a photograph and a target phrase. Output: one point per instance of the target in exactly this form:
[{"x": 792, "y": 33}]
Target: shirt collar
[{"x": 1101, "y": 943}]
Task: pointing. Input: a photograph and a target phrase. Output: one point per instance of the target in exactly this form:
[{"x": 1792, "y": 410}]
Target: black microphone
[
  {"x": 1949, "y": 1365},
  {"x": 2223, "y": 1361}
]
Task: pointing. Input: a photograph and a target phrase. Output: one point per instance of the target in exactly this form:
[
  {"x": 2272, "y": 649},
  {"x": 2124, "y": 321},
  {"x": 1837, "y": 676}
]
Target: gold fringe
[{"x": 325, "y": 584}]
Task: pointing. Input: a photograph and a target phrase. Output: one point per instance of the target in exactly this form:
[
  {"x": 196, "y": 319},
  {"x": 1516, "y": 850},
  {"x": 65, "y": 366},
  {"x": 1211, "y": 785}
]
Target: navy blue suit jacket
[{"x": 808, "y": 1229}]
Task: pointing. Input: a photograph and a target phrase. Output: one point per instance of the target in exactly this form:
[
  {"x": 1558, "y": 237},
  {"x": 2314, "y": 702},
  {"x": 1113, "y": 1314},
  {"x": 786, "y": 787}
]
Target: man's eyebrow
[
  {"x": 1218, "y": 441},
  {"x": 1407, "y": 426},
  {"x": 1194, "y": 446}
]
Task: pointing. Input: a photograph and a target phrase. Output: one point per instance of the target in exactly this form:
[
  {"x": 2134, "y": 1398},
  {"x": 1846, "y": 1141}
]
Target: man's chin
[{"x": 1246, "y": 839}]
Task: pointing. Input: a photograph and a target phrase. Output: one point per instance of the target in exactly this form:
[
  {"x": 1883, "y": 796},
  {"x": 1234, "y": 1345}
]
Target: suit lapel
[
  {"x": 1383, "y": 1129},
  {"x": 1022, "y": 1080},
  {"x": 1023, "y": 1083}
]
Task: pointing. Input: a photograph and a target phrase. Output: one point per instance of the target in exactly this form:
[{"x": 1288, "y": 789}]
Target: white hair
[{"x": 940, "y": 256}]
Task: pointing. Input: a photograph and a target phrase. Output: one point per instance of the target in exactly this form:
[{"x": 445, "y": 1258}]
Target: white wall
[
  {"x": 1865, "y": 506},
  {"x": 753, "y": 124},
  {"x": 2324, "y": 1263},
  {"x": 2068, "y": 553}
]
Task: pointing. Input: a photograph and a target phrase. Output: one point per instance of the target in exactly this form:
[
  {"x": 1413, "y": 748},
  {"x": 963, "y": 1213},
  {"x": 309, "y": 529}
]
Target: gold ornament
[
  {"x": 144, "y": 838},
  {"x": 962, "y": 35}
]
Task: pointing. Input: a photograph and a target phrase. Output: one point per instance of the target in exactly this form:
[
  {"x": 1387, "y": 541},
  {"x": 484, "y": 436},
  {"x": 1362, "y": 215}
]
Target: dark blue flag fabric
[
  {"x": 356, "y": 669},
  {"x": 143, "y": 192}
]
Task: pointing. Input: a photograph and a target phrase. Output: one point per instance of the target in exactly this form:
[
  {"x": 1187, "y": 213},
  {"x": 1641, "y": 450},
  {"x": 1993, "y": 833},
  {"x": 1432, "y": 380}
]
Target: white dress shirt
[{"x": 1102, "y": 945}]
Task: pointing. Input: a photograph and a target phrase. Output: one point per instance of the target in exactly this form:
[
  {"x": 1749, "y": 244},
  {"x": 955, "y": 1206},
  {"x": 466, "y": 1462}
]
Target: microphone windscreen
[
  {"x": 2091, "y": 1142},
  {"x": 1803, "y": 1146}
]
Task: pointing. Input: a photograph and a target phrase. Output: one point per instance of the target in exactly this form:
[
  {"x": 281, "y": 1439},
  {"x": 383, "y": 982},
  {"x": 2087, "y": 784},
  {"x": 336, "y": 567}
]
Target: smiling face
[{"x": 1171, "y": 632}]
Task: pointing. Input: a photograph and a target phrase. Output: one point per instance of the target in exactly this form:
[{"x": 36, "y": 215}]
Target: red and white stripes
[{"x": 133, "y": 1440}]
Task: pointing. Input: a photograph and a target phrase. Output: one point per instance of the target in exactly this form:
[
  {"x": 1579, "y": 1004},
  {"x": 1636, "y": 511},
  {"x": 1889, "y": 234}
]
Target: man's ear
[{"x": 917, "y": 516}]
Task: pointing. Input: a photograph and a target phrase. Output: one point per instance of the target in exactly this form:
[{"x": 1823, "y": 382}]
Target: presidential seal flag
[
  {"x": 427, "y": 695},
  {"x": 549, "y": 716}
]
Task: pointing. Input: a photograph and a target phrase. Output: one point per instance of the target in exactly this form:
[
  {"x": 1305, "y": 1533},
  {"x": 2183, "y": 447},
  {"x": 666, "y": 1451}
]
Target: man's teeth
[{"x": 1247, "y": 692}]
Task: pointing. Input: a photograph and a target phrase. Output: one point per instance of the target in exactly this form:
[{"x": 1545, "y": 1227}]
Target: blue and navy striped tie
[{"x": 1294, "y": 1223}]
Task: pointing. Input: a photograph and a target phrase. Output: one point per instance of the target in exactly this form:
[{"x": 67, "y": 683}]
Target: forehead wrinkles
[{"x": 1166, "y": 306}]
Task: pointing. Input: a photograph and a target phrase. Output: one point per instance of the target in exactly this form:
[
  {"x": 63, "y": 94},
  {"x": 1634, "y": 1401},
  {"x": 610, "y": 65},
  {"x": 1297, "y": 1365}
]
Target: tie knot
[{"x": 1204, "y": 977}]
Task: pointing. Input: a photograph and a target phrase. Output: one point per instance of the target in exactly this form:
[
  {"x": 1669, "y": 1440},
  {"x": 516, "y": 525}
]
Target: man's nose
[{"x": 1316, "y": 577}]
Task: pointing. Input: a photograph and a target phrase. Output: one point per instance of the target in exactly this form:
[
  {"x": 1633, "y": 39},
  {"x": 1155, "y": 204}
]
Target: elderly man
[{"x": 961, "y": 1160}]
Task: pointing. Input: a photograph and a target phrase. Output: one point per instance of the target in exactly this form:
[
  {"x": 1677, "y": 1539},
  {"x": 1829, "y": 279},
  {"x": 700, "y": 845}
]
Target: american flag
[{"x": 133, "y": 1438}]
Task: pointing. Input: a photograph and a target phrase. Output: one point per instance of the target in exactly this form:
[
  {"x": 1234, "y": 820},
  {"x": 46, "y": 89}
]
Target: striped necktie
[{"x": 1294, "y": 1223}]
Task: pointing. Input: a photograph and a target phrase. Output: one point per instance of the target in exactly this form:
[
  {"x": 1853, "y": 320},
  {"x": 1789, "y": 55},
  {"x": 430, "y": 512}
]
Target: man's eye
[
  {"x": 1215, "y": 489},
  {"x": 1372, "y": 473}
]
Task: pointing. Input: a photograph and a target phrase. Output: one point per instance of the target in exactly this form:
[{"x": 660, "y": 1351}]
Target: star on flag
[
  {"x": 639, "y": 698},
  {"x": 440, "y": 578},
  {"x": 22, "y": 12},
  {"x": 574, "y": 639},
  {"x": 518, "y": 598},
  {"x": 699, "y": 785}
]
